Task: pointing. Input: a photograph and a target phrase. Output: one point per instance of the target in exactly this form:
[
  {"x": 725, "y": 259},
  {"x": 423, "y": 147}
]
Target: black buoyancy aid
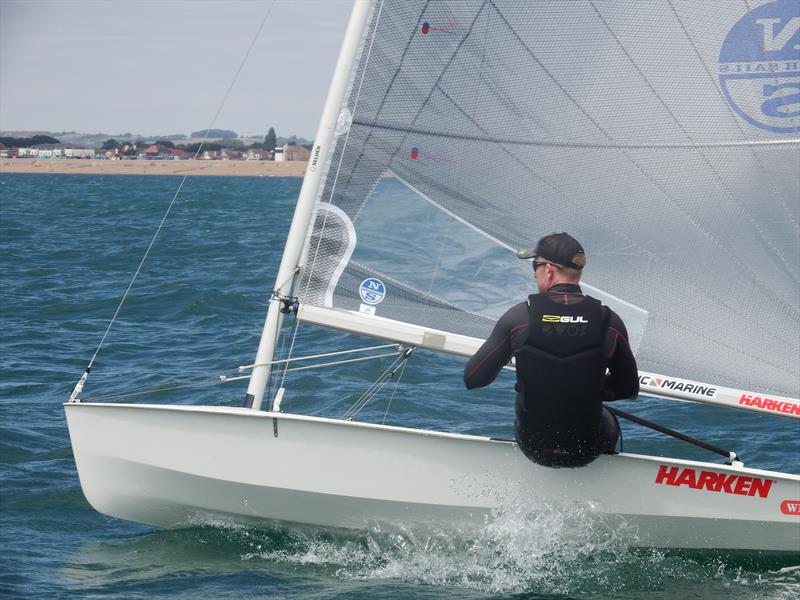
[{"x": 560, "y": 374}]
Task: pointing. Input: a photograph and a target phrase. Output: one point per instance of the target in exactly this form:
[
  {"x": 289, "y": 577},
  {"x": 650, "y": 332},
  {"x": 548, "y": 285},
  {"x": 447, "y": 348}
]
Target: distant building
[
  {"x": 78, "y": 153},
  {"x": 256, "y": 154},
  {"x": 51, "y": 151},
  {"x": 227, "y": 154},
  {"x": 159, "y": 152},
  {"x": 293, "y": 152}
]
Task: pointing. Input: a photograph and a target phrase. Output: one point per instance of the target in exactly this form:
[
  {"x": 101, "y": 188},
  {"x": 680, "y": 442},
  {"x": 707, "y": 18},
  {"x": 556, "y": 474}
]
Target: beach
[{"x": 244, "y": 168}]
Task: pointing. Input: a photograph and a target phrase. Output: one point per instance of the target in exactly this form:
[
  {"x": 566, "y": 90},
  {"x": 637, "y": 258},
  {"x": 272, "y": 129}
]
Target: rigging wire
[
  {"x": 82, "y": 381},
  {"x": 324, "y": 355},
  {"x": 394, "y": 391},
  {"x": 288, "y": 357},
  {"x": 333, "y": 185},
  {"x": 168, "y": 386},
  {"x": 209, "y": 379},
  {"x": 376, "y": 386}
]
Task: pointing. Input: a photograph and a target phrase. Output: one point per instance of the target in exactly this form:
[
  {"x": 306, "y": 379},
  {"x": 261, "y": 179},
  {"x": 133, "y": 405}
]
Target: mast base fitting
[{"x": 289, "y": 305}]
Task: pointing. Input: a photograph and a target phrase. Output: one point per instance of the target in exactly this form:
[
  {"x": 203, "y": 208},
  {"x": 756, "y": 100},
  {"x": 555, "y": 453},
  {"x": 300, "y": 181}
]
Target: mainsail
[{"x": 664, "y": 136}]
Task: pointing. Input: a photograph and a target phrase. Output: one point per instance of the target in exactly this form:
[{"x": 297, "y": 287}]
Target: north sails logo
[
  {"x": 759, "y": 66},
  {"x": 740, "y": 485},
  {"x": 678, "y": 385},
  {"x": 780, "y": 406}
]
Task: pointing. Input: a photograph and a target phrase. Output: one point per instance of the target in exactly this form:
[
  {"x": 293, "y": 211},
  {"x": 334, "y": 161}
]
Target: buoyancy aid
[{"x": 560, "y": 375}]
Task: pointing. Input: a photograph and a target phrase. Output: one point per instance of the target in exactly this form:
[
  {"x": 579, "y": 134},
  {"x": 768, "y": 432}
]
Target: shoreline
[{"x": 229, "y": 168}]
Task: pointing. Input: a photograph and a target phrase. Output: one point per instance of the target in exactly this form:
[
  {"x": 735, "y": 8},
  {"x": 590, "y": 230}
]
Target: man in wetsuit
[{"x": 562, "y": 342}]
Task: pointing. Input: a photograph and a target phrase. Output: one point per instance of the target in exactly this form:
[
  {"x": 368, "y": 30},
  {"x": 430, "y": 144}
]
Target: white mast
[{"x": 323, "y": 142}]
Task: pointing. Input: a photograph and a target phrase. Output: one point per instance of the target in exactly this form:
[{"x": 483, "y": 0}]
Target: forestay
[{"x": 664, "y": 136}]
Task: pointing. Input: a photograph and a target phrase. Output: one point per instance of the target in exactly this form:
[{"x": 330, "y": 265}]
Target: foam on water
[{"x": 527, "y": 546}]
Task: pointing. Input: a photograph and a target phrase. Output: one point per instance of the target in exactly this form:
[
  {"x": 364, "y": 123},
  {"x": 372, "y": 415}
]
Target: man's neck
[{"x": 563, "y": 283}]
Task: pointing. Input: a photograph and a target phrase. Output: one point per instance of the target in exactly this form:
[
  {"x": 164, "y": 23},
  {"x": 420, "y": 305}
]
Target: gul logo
[
  {"x": 780, "y": 406},
  {"x": 759, "y": 66},
  {"x": 790, "y": 507},
  {"x": 372, "y": 291},
  {"x": 677, "y": 385},
  {"x": 740, "y": 485},
  {"x": 562, "y": 319}
]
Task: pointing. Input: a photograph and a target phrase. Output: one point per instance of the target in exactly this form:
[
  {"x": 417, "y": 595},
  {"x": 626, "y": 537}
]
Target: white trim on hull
[{"x": 171, "y": 466}]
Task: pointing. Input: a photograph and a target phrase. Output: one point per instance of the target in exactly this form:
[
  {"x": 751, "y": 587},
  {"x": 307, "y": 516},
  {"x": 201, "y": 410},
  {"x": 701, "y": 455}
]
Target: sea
[{"x": 69, "y": 246}]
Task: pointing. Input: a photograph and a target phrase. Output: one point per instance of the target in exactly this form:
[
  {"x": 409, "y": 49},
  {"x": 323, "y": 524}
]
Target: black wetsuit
[{"x": 561, "y": 380}]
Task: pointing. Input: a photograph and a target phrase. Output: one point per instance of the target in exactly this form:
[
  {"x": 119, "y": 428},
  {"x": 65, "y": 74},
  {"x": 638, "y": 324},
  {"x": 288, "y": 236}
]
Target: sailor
[{"x": 563, "y": 342}]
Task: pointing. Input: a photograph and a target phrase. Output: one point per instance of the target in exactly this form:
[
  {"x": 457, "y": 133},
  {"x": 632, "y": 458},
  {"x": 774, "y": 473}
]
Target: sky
[{"x": 154, "y": 67}]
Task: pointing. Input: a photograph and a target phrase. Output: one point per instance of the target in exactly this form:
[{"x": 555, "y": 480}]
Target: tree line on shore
[
  {"x": 228, "y": 141},
  {"x": 36, "y": 140}
]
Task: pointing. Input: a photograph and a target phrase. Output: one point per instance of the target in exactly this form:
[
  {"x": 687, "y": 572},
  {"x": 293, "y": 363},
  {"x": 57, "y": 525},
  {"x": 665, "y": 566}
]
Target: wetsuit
[{"x": 562, "y": 342}]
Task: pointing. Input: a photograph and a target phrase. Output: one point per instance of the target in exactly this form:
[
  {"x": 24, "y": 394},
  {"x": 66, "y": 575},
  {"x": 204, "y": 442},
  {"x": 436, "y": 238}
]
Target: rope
[{"x": 82, "y": 381}]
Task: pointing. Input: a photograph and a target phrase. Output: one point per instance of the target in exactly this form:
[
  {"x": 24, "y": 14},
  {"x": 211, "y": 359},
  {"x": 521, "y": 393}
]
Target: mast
[{"x": 323, "y": 143}]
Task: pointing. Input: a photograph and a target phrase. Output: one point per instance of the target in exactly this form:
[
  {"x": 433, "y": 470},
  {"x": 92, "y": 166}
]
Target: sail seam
[
  {"x": 554, "y": 144},
  {"x": 435, "y": 85},
  {"x": 627, "y": 155},
  {"x": 389, "y": 87},
  {"x": 736, "y": 121},
  {"x": 705, "y": 159},
  {"x": 633, "y": 162}
]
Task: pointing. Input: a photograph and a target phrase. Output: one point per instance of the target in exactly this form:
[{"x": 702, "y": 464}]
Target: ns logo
[{"x": 759, "y": 67}]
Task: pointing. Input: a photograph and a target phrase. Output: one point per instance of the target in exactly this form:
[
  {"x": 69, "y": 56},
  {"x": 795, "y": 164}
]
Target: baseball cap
[{"x": 559, "y": 248}]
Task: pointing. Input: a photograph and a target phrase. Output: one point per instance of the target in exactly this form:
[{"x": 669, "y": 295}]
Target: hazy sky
[{"x": 164, "y": 66}]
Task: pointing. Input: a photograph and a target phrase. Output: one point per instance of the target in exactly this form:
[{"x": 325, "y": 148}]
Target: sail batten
[
  {"x": 665, "y": 137},
  {"x": 567, "y": 144}
]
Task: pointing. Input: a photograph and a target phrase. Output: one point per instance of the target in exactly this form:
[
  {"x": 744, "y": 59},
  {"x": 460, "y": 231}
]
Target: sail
[{"x": 664, "y": 136}]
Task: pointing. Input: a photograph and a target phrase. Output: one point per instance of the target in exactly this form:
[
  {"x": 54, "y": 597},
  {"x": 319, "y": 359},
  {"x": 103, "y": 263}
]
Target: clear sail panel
[{"x": 666, "y": 138}]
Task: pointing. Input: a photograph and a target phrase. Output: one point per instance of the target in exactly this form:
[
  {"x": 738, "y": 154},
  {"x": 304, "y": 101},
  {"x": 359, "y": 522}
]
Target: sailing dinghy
[{"x": 665, "y": 136}]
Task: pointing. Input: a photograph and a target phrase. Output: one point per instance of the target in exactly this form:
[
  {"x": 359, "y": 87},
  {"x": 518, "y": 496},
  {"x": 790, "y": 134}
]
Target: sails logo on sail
[
  {"x": 372, "y": 291},
  {"x": 740, "y": 485},
  {"x": 678, "y": 385},
  {"x": 759, "y": 66}
]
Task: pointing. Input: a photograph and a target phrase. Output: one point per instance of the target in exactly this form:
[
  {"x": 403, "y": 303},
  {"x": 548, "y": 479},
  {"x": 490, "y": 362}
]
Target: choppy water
[{"x": 68, "y": 246}]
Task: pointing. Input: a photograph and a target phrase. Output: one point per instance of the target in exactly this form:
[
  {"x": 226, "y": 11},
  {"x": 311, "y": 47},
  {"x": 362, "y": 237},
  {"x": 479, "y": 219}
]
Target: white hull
[{"x": 173, "y": 466}]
